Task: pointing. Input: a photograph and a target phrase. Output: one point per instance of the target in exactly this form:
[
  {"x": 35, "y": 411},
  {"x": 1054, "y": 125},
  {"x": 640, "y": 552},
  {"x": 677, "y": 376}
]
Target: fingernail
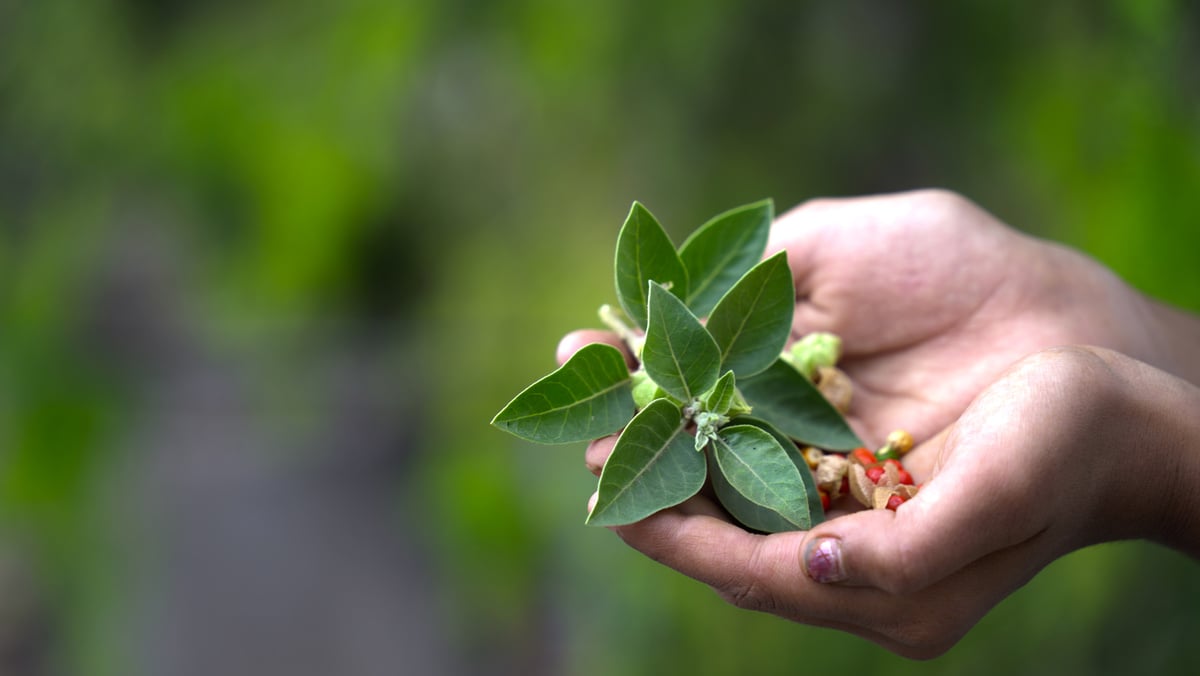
[{"x": 823, "y": 560}]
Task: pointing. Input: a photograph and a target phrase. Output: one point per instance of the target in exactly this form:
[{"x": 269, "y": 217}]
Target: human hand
[
  {"x": 1071, "y": 447},
  {"x": 934, "y": 299}
]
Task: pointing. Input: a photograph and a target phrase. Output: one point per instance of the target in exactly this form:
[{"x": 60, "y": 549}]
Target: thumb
[{"x": 947, "y": 526}]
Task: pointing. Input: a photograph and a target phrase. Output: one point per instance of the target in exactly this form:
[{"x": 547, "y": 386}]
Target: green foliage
[
  {"x": 652, "y": 466},
  {"x": 758, "y": 467},
  {"x": 587, "y": 397},
  {"x": 645, "y": 253},
  {"x": 679, "y": 354},
  {"x": 788, "y": 400},
  {"x": 722, "y": 250},
  {"x": 752, "y": 322},
  {"x": 657, "y": 463}
]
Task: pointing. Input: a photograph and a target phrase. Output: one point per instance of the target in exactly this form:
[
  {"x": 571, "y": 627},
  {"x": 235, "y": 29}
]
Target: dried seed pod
[
  {"x": 829, "y": 474},
  {"x": 891, "y": 474},
  {"x": 835, "y": 385},
  {"x": 861, "y": 487},
  {"x": 882, "y": 494}
]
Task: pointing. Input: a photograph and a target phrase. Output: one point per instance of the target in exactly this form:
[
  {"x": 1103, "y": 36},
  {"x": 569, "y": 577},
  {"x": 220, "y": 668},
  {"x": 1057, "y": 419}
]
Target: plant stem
[{"x": 614, "y": 320}]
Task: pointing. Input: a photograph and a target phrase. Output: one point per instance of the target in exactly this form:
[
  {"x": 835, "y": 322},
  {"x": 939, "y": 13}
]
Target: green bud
[
  {"x": 645, "y": 390},
  {"x": 707, "y": 424},
  {"x": 814, "y": 351},
  {"x": 739, "y": 406}
]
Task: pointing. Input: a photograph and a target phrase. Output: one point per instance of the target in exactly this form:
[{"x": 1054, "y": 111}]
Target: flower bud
[{"x": 813, "y": 351}]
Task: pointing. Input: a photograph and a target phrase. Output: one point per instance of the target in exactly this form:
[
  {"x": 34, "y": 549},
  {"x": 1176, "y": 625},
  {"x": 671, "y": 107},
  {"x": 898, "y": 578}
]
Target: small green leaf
[
  {"x": 590, "y": 396},
  {"x": 653, "y": 466},
  {"x": 679, "y": 354},
  {"x": 645, "y": 253},
  {"x": 790, "y": 402},
  {"x": 758, "y": 467},
  {"x": 752, "y": 321},
  {"x": 722, "y": 250},
  {"x": 720, "y": 398}
]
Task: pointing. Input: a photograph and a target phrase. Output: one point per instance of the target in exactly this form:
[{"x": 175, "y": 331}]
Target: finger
[
  {"x": 701, "y": 545},
  {"x": 799, "y": 232},
  {"x": 957, "y": 518},
  {"x": 573, "y": 341},
  {"x": 597, "y": 453},
  {"x": 808, "y": 233}
]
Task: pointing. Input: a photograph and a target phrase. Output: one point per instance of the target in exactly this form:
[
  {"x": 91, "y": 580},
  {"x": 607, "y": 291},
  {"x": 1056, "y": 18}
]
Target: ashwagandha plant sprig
[{"x": 715, "y": 400}]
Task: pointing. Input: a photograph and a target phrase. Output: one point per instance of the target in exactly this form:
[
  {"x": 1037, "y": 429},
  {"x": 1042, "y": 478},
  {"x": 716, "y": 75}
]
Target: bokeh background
[{"x": 267, "y": 269}]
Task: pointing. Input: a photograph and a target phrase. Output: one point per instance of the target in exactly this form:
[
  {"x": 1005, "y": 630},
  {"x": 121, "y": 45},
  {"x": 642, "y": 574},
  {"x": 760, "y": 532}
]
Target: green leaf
[
  {"x": 590, "y": 396},
  {"x": 752, "y": 322},
  {"x": 790, "y": 402},
  {"x": 720, "y": 398},
  {"x": 815, "y": 509},
  {"x": 718, "y": 253},
  {"x": 653, "y": 466},
  {"x": 758, "y": 467},
  {"x": 645, "y": 253},
  {"x": 679, "y": 354}
]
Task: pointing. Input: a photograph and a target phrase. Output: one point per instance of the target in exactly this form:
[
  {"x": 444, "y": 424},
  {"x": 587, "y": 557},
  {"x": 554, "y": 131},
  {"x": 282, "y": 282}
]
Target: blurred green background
[{"x": 268, "y": 269}]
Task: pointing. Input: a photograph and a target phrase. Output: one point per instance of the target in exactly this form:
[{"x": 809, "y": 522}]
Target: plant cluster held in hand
[{"x": 716, "y": 396}]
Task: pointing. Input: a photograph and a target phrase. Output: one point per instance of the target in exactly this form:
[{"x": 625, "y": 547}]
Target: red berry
[
  {"x": 824, "y": 499},
  {"x": 894, "y": 502},
  {"x": 845, "y": 485},
  {"x": 864, "y": 457},
  {"x": 904, "y": 476},
  {"x": 875, "y": 474}
]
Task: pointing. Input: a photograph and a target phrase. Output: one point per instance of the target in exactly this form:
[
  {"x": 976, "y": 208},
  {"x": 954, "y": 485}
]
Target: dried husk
[
  {"x": 884, "y": 493},
  {"x": 830, "y": 470},
  {"x": 861, "y": 486},
  {"x": 835, "y": 385},
  {"x": 812, "y": 456}
]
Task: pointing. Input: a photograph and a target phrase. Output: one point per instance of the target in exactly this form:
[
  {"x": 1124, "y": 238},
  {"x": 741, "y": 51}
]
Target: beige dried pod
[
  {"x": 829, "y": 474},
  {"x": 835, "y": 385},
  {"x": 882, "y": 494},
  {"x": 861, "y": 486},
  {"x": 891, "y": 475}
]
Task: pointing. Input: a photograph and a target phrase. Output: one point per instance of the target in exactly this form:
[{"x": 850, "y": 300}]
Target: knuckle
[
  {"x": 905, "y": 574},
  {"x": 744, "y": 594},
  {"x": 749, "y": 591}
]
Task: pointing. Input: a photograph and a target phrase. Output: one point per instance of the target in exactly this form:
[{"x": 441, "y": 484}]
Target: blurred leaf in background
[{"x": 267, "y": 269}]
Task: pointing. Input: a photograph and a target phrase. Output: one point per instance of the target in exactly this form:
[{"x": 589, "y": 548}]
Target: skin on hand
[
  {"x": 1038, "y": 466},
  {"x": 938, "y": 305}
]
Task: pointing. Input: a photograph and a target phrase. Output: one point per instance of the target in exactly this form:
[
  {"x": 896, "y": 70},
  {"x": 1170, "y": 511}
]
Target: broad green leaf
[
  {"x": 752, "y": 321},
  {"x": 653, "y": 466},
  {"x": 645, "y": 253},
  {"x": 590, "y": 396},
  {"x": 679, "y": 354},
  {"x": 810, "y": 483},
  {"x": 787, "y": 400},
  {"x": 755, "y": 465},
  {"x": 720, "y": 398},
  {"x": 722, "y": 250}
]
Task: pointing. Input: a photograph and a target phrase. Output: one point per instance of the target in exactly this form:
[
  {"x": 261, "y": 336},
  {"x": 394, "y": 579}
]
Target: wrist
[
  {"x": 1155, "y": 491},
  {"x": 1175, "y": 336}
]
